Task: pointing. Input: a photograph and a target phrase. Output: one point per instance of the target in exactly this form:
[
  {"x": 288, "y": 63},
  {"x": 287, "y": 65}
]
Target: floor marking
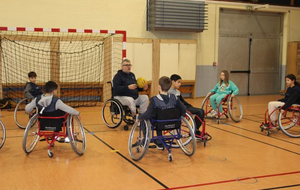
[
  {"x": 134, "y": 164},
  {"x": 115, "y": 151},
  {"x": 255, "y": 140},
  {"x": 282, "y": 187},
  {"x": 233, "y": 180}
]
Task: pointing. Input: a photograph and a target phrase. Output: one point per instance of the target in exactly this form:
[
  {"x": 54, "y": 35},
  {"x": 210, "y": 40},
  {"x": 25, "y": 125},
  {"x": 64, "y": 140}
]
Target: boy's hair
[
  {"x": 31, "y": 74},
  {"x": 50, "y": 86},
  {"x": 175, "y": 77},
  {"x": 165, "y": 83}
]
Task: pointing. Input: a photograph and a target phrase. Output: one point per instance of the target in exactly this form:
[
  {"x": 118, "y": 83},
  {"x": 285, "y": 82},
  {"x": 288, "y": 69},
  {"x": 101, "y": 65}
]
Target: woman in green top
[{"x": 222, "y": 88}]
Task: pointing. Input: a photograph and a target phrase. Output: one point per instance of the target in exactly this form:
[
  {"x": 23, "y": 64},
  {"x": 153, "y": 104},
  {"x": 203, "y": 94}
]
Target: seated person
[
  {"x": 221, "y": 90},
  {"x": 176, "y": 83},
  {"x": 291, "y": 97},
  {"x": 163, "y": 100},
  {"x": 48, "y": 104},
  {"x": 31, "y": 89},
  {"x": 126, "y": 91}
]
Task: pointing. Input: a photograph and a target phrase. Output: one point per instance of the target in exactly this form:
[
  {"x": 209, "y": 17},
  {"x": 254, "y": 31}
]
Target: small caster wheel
[
  {"x": 268, "y": 133},
  {"x": 50, "y": 154},
  {"x": 204, "y": 143},
  {"x": 218, "y": 121},
  {"x": 170, "y": 157},
  {"x": 126, "y": 127}
]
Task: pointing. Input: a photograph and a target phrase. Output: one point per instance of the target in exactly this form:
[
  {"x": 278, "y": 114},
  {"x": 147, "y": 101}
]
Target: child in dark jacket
[{"x": 163, "y": 100}]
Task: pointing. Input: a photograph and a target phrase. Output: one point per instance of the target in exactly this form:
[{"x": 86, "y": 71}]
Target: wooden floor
[{"x": 237, "y": 151}]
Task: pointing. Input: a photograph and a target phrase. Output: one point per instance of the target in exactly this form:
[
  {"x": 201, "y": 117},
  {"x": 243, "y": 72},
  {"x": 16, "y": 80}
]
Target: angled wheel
[
  {"x": 235, "y": 109},
  {"x": 206, "y": 106},
  {"x": 2, "y": 134},
  {"x": 139, "y": 140},
  {"x": 31, "y": 136},
  {"x": 289, "y": 123},
  {"x": 187, "y": 143},
  {"x": 76, "y": 134},
  {"x": 112, "y": 113},
  {"x": 20, "y": 116},
  {"x": 184, "y": 130}
]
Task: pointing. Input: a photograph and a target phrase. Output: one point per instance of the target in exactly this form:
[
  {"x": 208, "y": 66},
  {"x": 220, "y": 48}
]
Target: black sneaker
[
  {"x": 159, "y": 145},
  {"x": 135, "y": 144},
  {"x": 138, "y": 143},
  {"x": 198, "y": 133},
  {"x": 267, "y": 125}
]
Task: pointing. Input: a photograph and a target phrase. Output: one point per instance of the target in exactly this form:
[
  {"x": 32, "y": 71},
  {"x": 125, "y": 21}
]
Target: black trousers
[{"x": 200, "y": 113}]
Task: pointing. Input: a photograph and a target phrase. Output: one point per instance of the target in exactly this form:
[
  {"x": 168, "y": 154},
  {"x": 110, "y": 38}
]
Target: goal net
[{"x": 81, "y": 62}]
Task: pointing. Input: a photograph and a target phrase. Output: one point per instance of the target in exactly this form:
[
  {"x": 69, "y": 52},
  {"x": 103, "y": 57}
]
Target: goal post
[{"x": 80, "y": 61}]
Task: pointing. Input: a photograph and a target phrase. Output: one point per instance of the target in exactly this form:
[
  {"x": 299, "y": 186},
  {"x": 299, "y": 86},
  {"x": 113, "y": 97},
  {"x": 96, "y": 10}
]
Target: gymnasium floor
[{"x": 237, "y": 151}]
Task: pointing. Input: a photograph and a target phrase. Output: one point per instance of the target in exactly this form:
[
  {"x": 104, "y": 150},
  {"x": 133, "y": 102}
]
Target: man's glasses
[{"x": 127, "y": 65}]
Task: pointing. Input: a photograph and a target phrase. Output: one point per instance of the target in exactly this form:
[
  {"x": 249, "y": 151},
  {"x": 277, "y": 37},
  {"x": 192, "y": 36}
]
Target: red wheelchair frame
[
  {"x": 51, "y": 136},
  {"x": 74, "y": 131},
  {"x": 286, "y": 121},
  {"x": 204, "y": 136},
  {"x": 271, "y": 127},
  {"x": 226, "y": 108}
]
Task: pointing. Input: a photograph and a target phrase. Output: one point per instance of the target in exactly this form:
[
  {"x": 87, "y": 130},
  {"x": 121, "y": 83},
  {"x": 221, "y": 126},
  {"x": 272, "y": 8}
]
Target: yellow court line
[{"x": 115, "y": 151}]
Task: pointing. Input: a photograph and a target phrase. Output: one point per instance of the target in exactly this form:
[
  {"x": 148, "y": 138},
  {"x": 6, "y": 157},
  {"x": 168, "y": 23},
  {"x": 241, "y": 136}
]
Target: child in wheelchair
[
  {"x": 159, "y": 104},
  {"x": 31, "y": 89},
  {"x": 49, "y": 105},
  {"x": 176, "y": 83},
  {"x": 221, "y": 90},
  {"x": 292, "y": 96}
]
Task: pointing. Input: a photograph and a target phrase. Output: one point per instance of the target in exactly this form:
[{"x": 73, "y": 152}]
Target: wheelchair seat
[
  {"x": 52, "y": 121},
  {"x": 167, "y": 119}
]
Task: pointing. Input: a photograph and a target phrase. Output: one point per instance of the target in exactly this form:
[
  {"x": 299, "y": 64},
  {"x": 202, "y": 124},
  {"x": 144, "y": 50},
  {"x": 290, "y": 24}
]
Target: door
[{"x": 250, "y": 49}]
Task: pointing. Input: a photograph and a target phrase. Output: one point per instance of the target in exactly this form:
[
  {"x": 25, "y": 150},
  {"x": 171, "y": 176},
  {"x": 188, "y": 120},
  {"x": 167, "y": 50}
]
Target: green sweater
[{"x": 223, "y": 89}]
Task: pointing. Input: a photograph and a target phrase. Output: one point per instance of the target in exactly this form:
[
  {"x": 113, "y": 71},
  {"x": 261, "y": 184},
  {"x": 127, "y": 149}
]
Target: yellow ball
[{"x": 141, "y": 82}]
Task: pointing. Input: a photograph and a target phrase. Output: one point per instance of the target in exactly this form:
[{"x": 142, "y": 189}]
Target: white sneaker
[
  {"x": 67, "y": 140},
  {"x": 213, "y": 113},
  {"x": 58, "y": 139}
]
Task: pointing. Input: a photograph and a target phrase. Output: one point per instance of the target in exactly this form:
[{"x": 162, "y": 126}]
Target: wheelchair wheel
[
  {"x": 112, "y": 113},
  {"x": 206, "y": 105},
  {"x": 289, "y": 123},
  {"x": 139, "y": 140},
  {"x": 2, "y": 134},
  {"x": 187, "y": 143},
  {"x": 235, "y": 109},
  {"x": 31, "y": 136},
  {"x": 76, "y": 134},
  {"x": 20, "y": 116},
  {"x": 184, "y": 131}
]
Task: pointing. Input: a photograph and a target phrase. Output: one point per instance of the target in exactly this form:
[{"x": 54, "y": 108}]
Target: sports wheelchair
[
  {"x": 288, "y": 122},
  {"x": 204, "y": 136},
  {"x": 20, "y": 116},
  {"x": 267, "y": 125},
  {"x": 113, "y": 112},
  {"x": 229, "y": 104},
  {"x": 2, "y": 134},
  {"x": 52, "y": 128},
  {"x": 177, "y": 132}
]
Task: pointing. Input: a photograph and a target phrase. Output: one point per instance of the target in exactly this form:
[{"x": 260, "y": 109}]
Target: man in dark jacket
[{"x": 126, "y": 91}]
